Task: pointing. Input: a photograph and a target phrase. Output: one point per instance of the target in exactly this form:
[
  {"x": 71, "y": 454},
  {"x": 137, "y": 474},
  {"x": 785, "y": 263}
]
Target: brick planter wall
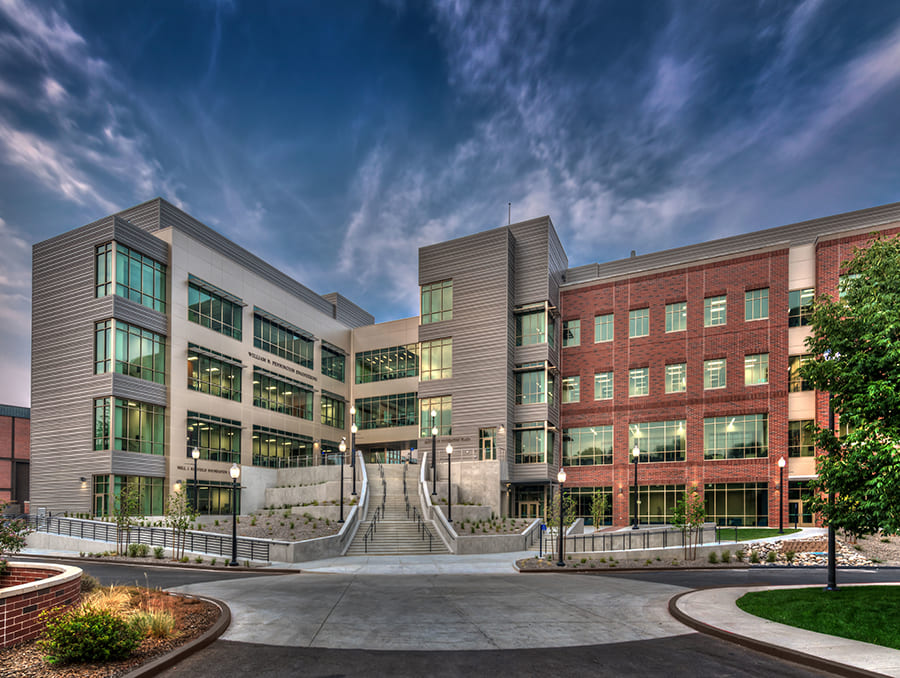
[{"x": 29, "y": 589}]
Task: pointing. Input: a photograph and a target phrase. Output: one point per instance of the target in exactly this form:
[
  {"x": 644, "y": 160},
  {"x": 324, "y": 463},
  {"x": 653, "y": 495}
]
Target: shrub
[
  {"x": 789, "y": 555},
  {"x": 726, "y": 556},
  {"x": 138, "y": 550},
  {"x": 158, "y": 552},
  {"x": 183, "y": 559},
  {"x": 754, "y": 557},
  {"x": 112, "y": 599},
  {"x": 88, "y": 583},
  {"x": 713, "y": 558},
  {"x": 739, "y": 555},
  {"x": 87, "y": 635},
  {"x": 154, "y": 623},
  {"x": 770, "y": 557},
  {"x": 212, "y": 562},
  {"x": 198, "y": 559}
]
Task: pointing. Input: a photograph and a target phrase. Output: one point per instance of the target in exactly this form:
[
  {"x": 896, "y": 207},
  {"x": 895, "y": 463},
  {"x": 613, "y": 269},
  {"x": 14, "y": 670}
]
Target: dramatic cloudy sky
[{"x": 334, "y": 139}]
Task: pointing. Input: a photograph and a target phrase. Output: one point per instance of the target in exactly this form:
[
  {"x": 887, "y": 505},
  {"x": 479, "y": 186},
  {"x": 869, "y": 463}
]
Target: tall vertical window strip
[
  {"x": 282, "y": 395},
  {"x": 756, "y": 304},
  {"x": 217, "y": 439},
  {"x": 603, "y": 386},
  {"x": 800, "y": 438},
  {"x": 531, "y": 328},
  {"x": 571, "y": 333},
  {"x": 639, "y": 382},
  {"x": 436, "y": 359},
  {"x": 676, "y": 317},
  {"x": 102, "y": 409},
  {"x": 213, "y": 373},
  {"x": 487, "y": 444},
  {"x": 129, "y": 426},
  {"x": 756, "y": 369},
  {"x": 533, "y": 445},
  {"x": 715, "y": 311},
  {"x": 714, "y": 373},
  {"x": 603, "y": 328},
  {"x": 383, "y": 364},
  {"x": 104, "y": 270},
  {"x": 800, "y": 306},
  {"x": 589, "y": 446},
  {"x": 737, "y": 503},
  {"x": 571, "y": 389},
  {"x": 332, "y": 411},
  {"x": 796, "y": 382},
  {"x": 739, "y": 437},
  {"x": 214, "y": 311},
  {"x": 283, "y": 341},
  {"x": 140, "y": 278},
  {"x": 333, "y": 364},
  {"x": 103, "y": 347},
  {"x": 437, "y": 302},
  {"x": 676, "y": 378},
  {"x": 274, "y": 448},
  {"x": 658, "y": 440},
  {"x": 639, "y": 322},
  {"x": 443, "y": 405},
  {"x": 386, "y": 411}
]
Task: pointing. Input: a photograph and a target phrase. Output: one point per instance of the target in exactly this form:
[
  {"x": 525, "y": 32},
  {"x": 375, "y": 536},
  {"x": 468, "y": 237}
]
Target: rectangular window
[
  {"x": 442, "y": 406},
  {"x": 796, "y": 382},
  {"x": 715, "y": 311},
  {"x": 103, "y": 347},
  {"x": 800, "y": 306},
  {"x": 281, "y": 449},
  {"x": 730, "y": 504},
  {"x": 800, "y": 438},
  {"x": 714, "y": 373},
  {"x": 280, "y": 394},
  {"x": 332, "y": 411},
  {"x": 487, "y": 444},
  {"x": 533, "y": 445},
  {"x": 217, "y": 439},
  {"x": 387, "y": 411},
  {"x": 589, "y": 446},
  {"x": 138, "y": 352},
  {"x": 756, "y": 369},
  {"x": 384, "y": 364},
  {"x": 218, "y": 311},
  {"x": 603, "y": 386},
  {"x": 584, "y": 500},
  {"x": 436, "y": 358},
  {"x": 437, "y": 302},
  {"x": 658, "y": 440},
  {"x": 136, "y": 277},
  {"x": 129, "y": 426},
  {"x": 739, "y": 437},
  {"x": 571, "y": 333},
  {"x": 756, "y": 304},
  {"x": 101, "y": 423},
  {"x": 571, "y": 389},
  {"x": 214, "y": 373},
  {"x": 534, "y": 385},
  {"x": 333, "y": 364},
  {"x": 103, "y": 280},
  {"x": 656, "y": 503},
  {"x": 639, "y": 382},
  {"x": 603, "y": 328},
  {"x": 534, "y": 328},
  {"x": 676, "y": 378},
  {"x": 639, "y": 322},
  {"x": 283, "y": 339},
  {"x": 676, "y": 317}
]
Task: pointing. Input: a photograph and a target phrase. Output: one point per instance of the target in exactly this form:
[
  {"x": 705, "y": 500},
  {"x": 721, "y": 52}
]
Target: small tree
[
  {"x": 179, "y": 516},
  {"x": 127, "y": 508},
  {"x": 688, "y": 516},
  {"x": 599, "y": 507},
  {"x": 12, "y": 536},
  {"x": 568, "y": 511}
]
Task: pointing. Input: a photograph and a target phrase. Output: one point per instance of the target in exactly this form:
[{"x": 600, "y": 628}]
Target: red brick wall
[
  {"x": 19, "y": 613},
  {"x": 14, "y": 444}
]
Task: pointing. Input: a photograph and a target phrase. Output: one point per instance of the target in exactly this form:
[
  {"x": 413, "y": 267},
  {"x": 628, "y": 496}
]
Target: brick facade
[
  {"x": 42, "y": 588},
  {"x": 15, "y": 446}
]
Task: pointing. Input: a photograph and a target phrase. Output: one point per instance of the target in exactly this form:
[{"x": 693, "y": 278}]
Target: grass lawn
[
  {"x": 751, "y": 533},
  {"x": 864, "y": 613}
]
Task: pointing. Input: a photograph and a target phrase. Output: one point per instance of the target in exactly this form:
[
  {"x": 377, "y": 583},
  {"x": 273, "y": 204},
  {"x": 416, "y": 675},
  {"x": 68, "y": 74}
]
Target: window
[
  {"x": 800, "y": 438},
  {"x": 218, "y": 311},
  {"x": 657, "y": 503},
  {"x": 534, "y": 385},
  {"x": 214, "y": 373},
  {"x": 333, "y": 363},
  {"x": 275, "y": 449},
  {"x": 437, "y": 302},
  {"x": 800, "y": 306},
  {"x": 443, "y": 407},
  {"x": 603, "y": 328},
  {"x": 535, "y": 327},
  {"x": 658, "y": 440},
  {"x": 571, "y": 333},
  {"x": 737, "y": 503},
  {"x": 590, "y": 446},
  {"x": 217, "y": 439},
  {"x": 129, "y": 426},
  {"x": 436, "y": 359},
  {"x": 151, "y": 494},
  {"x": 756, "y": 369},
  {"x": 138, "y": 352},
  {"x": 714, "y": 373},
  {"x": 384, "y": 364},
  {"x": 487, "y": 444},
  {"x": 280, "y": 394},
  {"x": 676, "y": 317},
  {"x": 639, "y": 382},
  {"x": 738, "y": 437},
  {"x": 639, "y": 322},
  {"x": 282, "y": 339},
  {"x": 603, "y": 386},
  {"x": 332, "y": 411},
  {"x": 715, "y": 311},
  {"x": 676, "y": 378},
  {"x": 534, "y": 443},
  {"x": 756, "y": 304},
  {"x": 103, "y": 348},
  {"x": 584, "y": 500},
  {"x": 796, "y": 382},
  {"x": 103, "y": 279},
  {"x": 571, "y": 389},
  {"x": 387, "y": 411},
  {"x": 135, "y": 277}
]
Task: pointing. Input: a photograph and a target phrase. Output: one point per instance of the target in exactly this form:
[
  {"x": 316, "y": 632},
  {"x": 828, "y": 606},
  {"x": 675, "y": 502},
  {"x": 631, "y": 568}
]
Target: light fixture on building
[{"x": 83, "y": 483}]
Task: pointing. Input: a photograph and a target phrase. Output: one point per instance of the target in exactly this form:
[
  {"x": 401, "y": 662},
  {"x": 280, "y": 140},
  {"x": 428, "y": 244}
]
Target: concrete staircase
[{"x": 394, "y": 533}]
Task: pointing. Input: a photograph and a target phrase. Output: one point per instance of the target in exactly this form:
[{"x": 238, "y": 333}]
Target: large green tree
[{"x": 855, "y": 344}]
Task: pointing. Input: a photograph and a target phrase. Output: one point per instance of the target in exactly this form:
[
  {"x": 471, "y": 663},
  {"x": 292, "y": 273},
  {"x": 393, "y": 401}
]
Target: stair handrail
[{"x": 373, "y": 528}]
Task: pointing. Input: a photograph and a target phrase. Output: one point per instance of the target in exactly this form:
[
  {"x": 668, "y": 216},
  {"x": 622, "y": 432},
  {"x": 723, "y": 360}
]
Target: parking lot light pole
[
  {"x": 434, "y": 432},
  {"x": 636, "y": 453},
  {"x": 353, "y": 430},
  {"x": 449, "y": 486},
  {"x": 781, "y": 463},
  {"x": 561, "y": 477},
  {"x": 235, "y": 473}
]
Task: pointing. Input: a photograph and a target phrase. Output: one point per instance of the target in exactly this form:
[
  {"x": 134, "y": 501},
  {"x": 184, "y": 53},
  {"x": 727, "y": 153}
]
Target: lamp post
[
  {"x": 343, "y": 448},
  {"x": 636, "y": 453},
  {"x": 561, "y": 477},
  {"x": 353, "y": 430},
  {"x": 449, "y": 486},
  {"x": 235, "y": 473},
  {"x": 195, "y": 453},
  {"x": 434, "y": 432},
  {"x": 831, "y": 584},
  {"x": 781, "y": 464}
]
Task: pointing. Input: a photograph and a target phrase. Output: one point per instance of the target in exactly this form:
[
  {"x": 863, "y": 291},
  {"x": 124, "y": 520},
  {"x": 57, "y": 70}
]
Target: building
[
  {"x": 15, "y": 454},
  {"x": 153, "y": 335}
]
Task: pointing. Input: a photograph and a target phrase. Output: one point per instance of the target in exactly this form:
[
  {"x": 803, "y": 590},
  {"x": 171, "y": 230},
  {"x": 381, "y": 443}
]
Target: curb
[
  {"x": 778, "y": 651},
  {"x": 162, "y": 563},
  {"x": 157, "y": 665}
]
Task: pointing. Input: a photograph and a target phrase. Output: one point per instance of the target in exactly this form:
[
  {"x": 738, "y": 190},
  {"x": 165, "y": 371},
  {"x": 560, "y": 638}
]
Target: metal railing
[
  {"x": 373, "y": 528},
  {"x": 623, "y": 541},
  {"x": 421, "y": 527}
]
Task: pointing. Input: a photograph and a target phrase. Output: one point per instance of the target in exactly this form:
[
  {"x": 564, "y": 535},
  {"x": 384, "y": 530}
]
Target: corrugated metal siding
[
  {"x": 347, "y": 312},
  {"x": 136, "y": 464}
]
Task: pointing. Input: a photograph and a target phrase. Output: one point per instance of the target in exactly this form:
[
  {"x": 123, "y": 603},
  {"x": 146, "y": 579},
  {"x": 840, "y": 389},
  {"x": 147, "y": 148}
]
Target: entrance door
[{"x": 529, "y": 509}]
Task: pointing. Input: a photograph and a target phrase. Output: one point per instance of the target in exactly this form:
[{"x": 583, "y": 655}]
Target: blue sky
[{"x": 334, "y": 138}]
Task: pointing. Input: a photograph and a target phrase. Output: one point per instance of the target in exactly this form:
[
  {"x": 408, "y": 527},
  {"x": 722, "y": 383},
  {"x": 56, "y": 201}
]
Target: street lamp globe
[
  {"x": 636, "y": 452},
  {"x": 234, "y": 471},
  {"x": 781, "y": 462},
  {"x": 561, "y": 476},
  {"x": 195, "y": 453}
]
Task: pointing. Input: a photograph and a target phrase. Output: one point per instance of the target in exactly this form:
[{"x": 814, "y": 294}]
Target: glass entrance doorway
[
  {"x": 529, "y": 509},
  {"x": 529, "y": 501}
]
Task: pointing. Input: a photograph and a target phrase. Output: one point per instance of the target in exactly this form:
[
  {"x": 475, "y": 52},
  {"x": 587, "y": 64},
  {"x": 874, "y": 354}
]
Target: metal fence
[{"x": 598, "y": 542}]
